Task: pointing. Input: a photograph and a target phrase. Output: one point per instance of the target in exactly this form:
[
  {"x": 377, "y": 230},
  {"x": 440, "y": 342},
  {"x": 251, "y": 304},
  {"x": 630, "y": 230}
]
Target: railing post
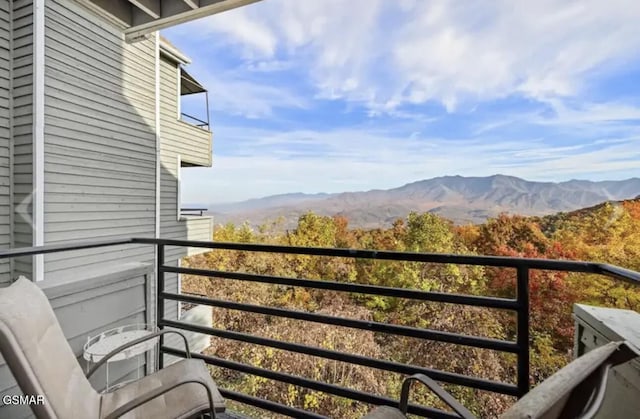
[
  {"x": 160, "y": 300},
  {"x": 523, "y": 329},
  {"x": 206, "y": 98}
]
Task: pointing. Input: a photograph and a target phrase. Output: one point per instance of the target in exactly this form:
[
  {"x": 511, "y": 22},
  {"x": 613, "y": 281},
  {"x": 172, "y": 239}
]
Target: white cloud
[
  {"x": 235, "y": 94},
  {"x": 267, "y": 66},
  {"x": 387, "y": 53},
  {"x": 594, "y": 119},
  {"x": 254, "y": 36},
  {"x": 591, "y": 113}
]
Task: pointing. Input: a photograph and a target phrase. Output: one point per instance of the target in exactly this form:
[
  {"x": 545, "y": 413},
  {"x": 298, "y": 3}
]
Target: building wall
[
  {"x": 100, "y": 138},
  {"x": 5, "y": 136},
  {"x": 193, "y": 145},
  {"x": 99, "y": 167}
]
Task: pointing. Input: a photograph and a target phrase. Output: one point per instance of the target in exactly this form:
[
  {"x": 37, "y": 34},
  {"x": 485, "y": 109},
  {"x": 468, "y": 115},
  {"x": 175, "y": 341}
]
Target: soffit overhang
[{"x": 139, "y": 18}]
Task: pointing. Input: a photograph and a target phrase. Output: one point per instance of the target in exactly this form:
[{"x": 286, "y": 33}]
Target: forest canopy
[{"x": 607, "y": 233}]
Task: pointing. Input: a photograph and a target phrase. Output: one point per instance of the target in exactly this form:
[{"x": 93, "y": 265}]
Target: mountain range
[{"x": 461, "y": 199}]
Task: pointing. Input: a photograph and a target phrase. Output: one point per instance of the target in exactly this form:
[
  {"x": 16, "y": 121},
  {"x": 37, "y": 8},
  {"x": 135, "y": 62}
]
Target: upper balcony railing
[
  {"x": 198, "y": 212},
  {"x": 195, "y": 121},
  {"x": 519, "y": 305}
]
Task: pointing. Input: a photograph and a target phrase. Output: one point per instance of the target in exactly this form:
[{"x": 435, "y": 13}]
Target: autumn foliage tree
[{"x": 608, "y": 233}]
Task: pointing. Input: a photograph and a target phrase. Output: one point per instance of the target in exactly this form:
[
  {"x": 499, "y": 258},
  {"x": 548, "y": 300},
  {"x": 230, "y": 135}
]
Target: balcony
[
  {"x": 199, "y": 227},
  {"x": 518, "y": 348},
  {"x": 191, "y": 90},
  {"x": 194, "y": 121},
  {"x": 185, "y": 129},
  {"x": 192, "y": 141}
]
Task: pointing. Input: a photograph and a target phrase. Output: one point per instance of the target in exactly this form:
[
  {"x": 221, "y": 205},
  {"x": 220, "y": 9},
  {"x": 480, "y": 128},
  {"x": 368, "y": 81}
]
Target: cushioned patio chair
[
  {"x": 43, "y": 364},
  {"x": 576, "y": 391}
]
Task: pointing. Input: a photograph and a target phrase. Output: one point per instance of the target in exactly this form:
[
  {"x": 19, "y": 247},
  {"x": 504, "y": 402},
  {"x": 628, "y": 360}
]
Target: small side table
[{"x": 100, "y": 345}]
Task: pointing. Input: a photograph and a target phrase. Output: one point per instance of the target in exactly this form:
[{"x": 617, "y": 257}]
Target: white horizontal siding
[
  {"x": 90, "y": 260},
  {"x": 100, "y": 141}
]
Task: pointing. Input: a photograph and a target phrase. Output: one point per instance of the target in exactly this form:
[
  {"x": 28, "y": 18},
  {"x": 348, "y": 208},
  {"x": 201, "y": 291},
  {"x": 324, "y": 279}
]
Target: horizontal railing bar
[
  {"x": 618, "y": 273},
  {"x": 452, "y": 378},
  {"x": 295, "y": 380},
  {"x": 496, "y": 261},
  {"x": 448, "y": 337},
  {"x": 268, "y": 405},
  {"x": 194, "y": 118},
  {"x": 470, "y": 300},
  {"x": 53, "y": 248}
]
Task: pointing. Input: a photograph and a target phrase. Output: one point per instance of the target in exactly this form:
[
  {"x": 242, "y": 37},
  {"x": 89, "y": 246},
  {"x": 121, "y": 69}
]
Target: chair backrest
[
  {"x": 577, "y": 390},
  {"x": 39, "y": 356}
]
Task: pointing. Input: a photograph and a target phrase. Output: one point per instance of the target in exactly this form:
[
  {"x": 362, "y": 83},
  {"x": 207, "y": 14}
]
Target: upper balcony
[
  {"x": 190, "y": 87},
  {"x": 199, "y": 227},
  {"x": 184, "y": 110},
  {"x": 347, "y": 365}
]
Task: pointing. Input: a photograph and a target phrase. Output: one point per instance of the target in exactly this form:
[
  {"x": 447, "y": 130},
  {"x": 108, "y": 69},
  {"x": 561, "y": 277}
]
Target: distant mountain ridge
[
  {"x": 268, "y": 202},
  {"x": 461, "y": 199}
]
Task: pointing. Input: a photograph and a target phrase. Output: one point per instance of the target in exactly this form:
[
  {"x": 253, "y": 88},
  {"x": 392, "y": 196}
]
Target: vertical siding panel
[
  {"x": 22, "y": 54},
  {"x": 169, "y": 176},
  {"x": 5, "y": 136}
]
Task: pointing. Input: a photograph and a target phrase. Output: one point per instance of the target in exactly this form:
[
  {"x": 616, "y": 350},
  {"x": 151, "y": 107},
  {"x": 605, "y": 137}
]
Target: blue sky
[{"x": 330, "y": 96}]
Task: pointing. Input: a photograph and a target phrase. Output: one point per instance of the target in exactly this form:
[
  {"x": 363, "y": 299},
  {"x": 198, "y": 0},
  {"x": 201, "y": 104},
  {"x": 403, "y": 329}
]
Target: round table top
[{"x": 103, "y": 344}]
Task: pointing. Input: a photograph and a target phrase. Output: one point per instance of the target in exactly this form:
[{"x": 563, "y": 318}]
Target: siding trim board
[
  {"x": 158, "y": 138},
  {"x": 152, "y": 307},
  {"x": 179, "y": 187},
  {"x": 38, "y": 134},
  {"x": 11, "y": 142},
  {"x": 178, "y": 94},
  {"x": 172, "y": 53}
]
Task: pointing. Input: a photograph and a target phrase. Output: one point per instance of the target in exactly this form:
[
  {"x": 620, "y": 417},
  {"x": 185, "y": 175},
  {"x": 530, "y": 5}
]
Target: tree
[{"x": 510, "y": 232}]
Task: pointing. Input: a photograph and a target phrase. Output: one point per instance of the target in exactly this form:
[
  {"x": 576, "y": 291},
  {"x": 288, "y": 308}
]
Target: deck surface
[{"x": 230, "y": 415}]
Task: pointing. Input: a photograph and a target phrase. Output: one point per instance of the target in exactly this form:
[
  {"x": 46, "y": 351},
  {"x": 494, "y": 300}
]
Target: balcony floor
[{"x": 230, "y": 415}]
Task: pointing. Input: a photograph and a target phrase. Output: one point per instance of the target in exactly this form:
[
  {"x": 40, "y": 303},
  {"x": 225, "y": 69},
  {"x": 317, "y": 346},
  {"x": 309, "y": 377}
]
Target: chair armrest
[
  {"x": 158, "y": 391},
  {"x": 439, "y": 391},
  {"x": 600, "y": 388},
  {"x": 134, "y": 343}
]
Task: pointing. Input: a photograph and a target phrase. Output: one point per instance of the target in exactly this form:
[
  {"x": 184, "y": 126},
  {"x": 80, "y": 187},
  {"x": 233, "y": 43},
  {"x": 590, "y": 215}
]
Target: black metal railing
[
  {"x": 199, "y": 212},
  {"x": 519, "y": 305},
  {"x": 194, "y": 121}
]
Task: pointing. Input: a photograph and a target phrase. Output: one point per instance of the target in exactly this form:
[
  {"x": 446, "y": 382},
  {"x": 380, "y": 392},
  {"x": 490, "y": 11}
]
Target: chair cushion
[
  {"x": 182, "y": 402},
  {"x": 39, "y": 355}
]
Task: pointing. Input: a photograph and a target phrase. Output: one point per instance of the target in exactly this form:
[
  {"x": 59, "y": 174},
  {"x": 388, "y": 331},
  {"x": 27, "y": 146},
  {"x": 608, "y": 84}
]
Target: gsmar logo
[{"x": 9, "y": 399}]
